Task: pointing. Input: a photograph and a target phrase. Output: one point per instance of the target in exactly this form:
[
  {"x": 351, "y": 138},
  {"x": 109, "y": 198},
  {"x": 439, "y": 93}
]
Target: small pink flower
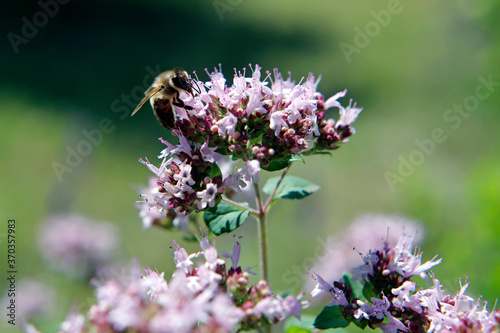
[
  {"x": 184, "y": 176},
  {"x": 277, "y": 122},
  {"x": 332, "y": 101},
  {"x": 349, "y": 114},
  {"x": 182, "y": 260},
  {"x": 209, "y": 154},
  {"x": 74, "y": 323},
  {"x": 207, "y": 196},
  {"x": 227, "y": 125},
  {"x": 251, "y": 171},
  {"x": 235, "y": 257}
]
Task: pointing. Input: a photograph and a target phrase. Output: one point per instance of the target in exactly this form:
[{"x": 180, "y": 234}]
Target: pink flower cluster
[
  {"x": 260, "y": 122},
  {"x": 341, "y": 252},
  {"x": 394, "y": 263},
  {"x": 267, "y": 120},
  {"x": 202, "y": 297},
  {"x": 148, "y": 303},
  {"x": 189, "y": 180},
  {"x": 397, "y": 305}
]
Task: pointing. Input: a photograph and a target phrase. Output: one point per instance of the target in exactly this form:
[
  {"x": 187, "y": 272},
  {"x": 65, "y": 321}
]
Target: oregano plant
[{"x": 227, "y": 136}]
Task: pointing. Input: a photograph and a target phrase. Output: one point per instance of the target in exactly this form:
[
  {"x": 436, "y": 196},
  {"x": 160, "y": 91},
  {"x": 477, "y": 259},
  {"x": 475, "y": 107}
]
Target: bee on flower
[{"x": 261, "y": 121}]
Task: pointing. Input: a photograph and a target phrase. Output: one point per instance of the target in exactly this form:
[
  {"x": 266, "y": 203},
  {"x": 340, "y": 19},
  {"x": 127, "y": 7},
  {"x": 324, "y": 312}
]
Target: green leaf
[
  {"x": 296, "y": 329},
  {"x": 215, "y": 171},
  {"x": 318, "y": 150},
  {"x": 255, "y": 140},
  {"x": 369, "y": 291},
  {"x": 290, "y": 188},
  {"x": 360, "y": 323},
  {"x": 304, "y": 325},
  {"x": 330, "y": 317},
  {"x": 357, "y": 291},
  {"x": 356, "y": 287},
  {"x": 296, "y": 158},
  {"x": 225, "y": 218},
  {"x": 321, "y": 152},
  {"x": 276, "y": 165}
]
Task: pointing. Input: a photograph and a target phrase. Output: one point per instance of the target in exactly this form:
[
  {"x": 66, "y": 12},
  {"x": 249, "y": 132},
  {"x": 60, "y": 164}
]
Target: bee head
[{"x": 180, "y": 80}]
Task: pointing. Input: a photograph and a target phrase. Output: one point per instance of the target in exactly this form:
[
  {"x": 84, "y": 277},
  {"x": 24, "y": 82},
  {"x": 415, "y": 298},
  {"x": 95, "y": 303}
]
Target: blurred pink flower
[
  {"x": 32, "y": 298},
  {"x": 202, "y": 296},
  {"x": 75, "y": 244},
  {"x": 74, "y": 322}
]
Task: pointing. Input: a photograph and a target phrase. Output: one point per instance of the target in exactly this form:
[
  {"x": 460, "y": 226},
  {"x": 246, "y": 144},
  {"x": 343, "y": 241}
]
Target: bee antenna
[{"x": 197, "y": 89}]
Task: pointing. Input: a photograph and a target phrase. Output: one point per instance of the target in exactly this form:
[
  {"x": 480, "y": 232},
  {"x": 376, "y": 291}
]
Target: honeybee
[{"x": 164, "y": 92}]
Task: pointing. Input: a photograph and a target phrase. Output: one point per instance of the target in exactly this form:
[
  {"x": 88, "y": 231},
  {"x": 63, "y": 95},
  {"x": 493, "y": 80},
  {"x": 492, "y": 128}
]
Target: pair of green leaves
[{"x": 225, "y": 218}]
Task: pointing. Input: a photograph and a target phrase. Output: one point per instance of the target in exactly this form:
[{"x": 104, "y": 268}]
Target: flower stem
[
  {"x": 236, "y": 204},
  {"x": 270, "y": 199},
  {"x": 262, "y": 229}
]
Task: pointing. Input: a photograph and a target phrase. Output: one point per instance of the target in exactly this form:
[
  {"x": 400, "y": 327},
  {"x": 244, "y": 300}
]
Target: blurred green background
[{"x": 424, "y": 58}]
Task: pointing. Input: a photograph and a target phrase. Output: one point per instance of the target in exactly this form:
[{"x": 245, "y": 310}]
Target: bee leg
[{"x": 178, "y": 102}]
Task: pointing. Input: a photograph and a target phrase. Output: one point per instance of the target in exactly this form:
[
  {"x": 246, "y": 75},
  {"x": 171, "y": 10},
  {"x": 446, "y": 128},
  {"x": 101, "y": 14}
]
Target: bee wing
[{"x": 145, "y": 99}]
